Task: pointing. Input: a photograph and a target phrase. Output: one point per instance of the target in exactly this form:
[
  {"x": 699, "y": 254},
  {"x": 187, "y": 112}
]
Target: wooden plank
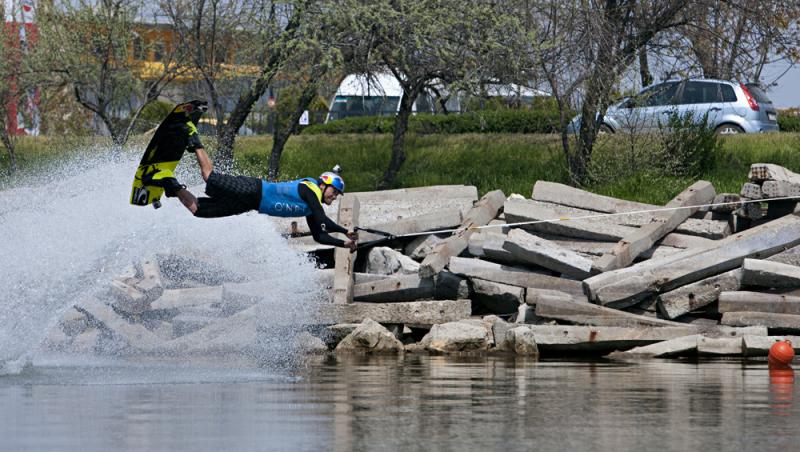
[
  {"x": 485, "y": 210},
  {"x": 783, "y": 322},
  {"x": 744, "y": 301},
  {"x": 632, "y": 246},
  {"x": 418, "y": 312},
  {"x": 756, "y": 272},
  {"x": 642, "y": 280},
  {"x": 562, "y": 306},
  {"x": 344, "y": 259},
  {"x": 536, "y": 250},
  {"x": 682, "y": 300},
  {"x": 520, "y": 277}
]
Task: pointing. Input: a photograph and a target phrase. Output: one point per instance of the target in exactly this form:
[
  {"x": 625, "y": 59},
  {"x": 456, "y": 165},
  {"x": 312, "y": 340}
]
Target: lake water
[{"x": 397, "y": 403}]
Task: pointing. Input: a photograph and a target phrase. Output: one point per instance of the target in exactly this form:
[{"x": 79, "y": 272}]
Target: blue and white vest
[{"x": 282, "y": 199}]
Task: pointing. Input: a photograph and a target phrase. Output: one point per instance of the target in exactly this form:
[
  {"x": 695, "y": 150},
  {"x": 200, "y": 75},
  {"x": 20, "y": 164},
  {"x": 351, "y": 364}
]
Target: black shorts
[{"x": 229, "y": 195}]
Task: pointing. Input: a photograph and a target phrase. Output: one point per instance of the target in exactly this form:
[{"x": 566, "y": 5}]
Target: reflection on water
[{"x": 400, "y": 403}]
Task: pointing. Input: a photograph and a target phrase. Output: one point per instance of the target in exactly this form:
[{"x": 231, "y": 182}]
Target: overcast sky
[{"x": 786, "y": 92}]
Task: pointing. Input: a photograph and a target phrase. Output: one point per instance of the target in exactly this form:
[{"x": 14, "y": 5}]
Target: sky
[{"x": 785, "y": 92}]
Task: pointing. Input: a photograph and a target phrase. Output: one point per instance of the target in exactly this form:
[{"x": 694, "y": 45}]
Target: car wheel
[
  {"x": 604, "y": 129},
  {"x": 729, "y": 129}
]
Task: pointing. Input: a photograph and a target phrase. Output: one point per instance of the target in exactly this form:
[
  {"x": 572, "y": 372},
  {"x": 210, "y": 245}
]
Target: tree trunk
[
  {"x": 226, "y": 133},
  {"x": 284, "y": 131},
  {"x": 8, "y": 142},
  {"x": 644, "y": 68},
  {"x": 398, "y": 141}
]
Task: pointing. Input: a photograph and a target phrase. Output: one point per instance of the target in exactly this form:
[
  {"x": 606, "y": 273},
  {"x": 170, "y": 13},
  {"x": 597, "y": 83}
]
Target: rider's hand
[
  {"x": 352, "y": 244},
  {"x": 352, "y": 235}
]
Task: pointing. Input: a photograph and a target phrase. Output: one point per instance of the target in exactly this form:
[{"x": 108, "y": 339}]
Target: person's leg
[{"x": 228, "y": 195}]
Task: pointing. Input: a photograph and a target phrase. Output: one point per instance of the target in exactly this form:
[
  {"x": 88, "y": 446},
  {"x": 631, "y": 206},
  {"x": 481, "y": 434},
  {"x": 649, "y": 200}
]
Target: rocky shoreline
[{"x": 562, "y": 271}]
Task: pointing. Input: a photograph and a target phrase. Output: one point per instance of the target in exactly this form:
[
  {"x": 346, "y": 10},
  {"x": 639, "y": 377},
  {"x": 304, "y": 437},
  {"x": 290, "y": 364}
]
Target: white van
[{"x": 377, "y": 95}]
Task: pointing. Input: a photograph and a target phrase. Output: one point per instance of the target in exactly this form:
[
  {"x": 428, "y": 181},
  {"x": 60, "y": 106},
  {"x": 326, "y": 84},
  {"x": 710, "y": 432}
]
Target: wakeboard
[{"x": 164, "y": 152}]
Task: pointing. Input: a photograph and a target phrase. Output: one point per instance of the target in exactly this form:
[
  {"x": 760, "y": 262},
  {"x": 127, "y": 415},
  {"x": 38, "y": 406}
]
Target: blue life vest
[{"x": 282, "y": 199}]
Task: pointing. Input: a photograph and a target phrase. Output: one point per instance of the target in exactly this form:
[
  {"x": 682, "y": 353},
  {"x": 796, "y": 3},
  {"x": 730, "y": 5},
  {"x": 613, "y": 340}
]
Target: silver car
[{"x": 731, "y": 107}]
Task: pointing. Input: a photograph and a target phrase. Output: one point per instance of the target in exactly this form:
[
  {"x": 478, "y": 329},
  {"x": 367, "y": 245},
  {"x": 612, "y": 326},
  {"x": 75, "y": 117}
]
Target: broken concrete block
[
  {"x": 522, "y": 341},
  {"x": 421, "y": 246},
  {"x": 127, "y": 298},
  {"x": 485, "y": 210},
  {"x": 370, "y": 337},
  {"x": 522, "y": 277},
  {"x": 86, "y": 342},
  {"x": 498, "y": 298},
  {"x": 762, "y": 273},
  {"x": 677, "y": 346},
  {"x": 150, "y": 284},
  {"x": 760, "y": 172},
  {"x": 726, "y": 203},
  {"x": 457, "y": 337},
  {"x": 751, "y": 191},
  {"x": 685, "y": 299},
  {"x": 760, "y": 345},
  {"x": 417, "y": 312},
  {"x": 74, "y": 322},
  {"x": 133, "y": 335},
  {"x": 719, "y": 345},
  {"x": 382, "y": 260},
  {"x": 179, "y": 298},
  {"x": 535, "y": 250},
  {"x": 750, "y": 210}
]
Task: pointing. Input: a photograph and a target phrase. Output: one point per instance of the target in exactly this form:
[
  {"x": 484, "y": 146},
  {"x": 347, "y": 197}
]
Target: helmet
[{"x": 333, "y": 180}]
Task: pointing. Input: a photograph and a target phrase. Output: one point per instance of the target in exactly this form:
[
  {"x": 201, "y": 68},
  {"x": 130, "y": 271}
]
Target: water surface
[{"x": 406, "y": 403}]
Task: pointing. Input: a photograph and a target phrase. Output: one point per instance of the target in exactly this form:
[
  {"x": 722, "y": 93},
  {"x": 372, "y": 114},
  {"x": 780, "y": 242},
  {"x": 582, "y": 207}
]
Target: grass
[{"x": 511, "y": 162}]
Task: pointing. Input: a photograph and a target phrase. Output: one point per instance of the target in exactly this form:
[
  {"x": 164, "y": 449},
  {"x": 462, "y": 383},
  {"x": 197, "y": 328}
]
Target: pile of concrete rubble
[{"x": 563, "y": 271}]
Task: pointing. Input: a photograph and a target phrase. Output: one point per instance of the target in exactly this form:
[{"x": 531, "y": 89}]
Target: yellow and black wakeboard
[{"x": 165, "y": 151}]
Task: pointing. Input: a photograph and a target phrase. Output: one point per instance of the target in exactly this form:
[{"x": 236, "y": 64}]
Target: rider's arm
[{"x": 320, "y": 225}]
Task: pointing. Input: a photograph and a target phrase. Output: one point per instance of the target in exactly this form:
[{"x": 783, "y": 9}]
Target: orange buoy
[{"x": 781, "y": 353}]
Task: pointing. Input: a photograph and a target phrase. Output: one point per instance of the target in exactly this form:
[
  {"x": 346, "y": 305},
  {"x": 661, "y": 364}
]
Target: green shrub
[
  {"x": 789, "y": 123},
  {"x": 489, "y": 121},
  {"x": 687, "y": 145}
]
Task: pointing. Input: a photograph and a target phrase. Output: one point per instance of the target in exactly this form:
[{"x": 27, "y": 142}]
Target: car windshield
[{"x": 759, "y": 94}]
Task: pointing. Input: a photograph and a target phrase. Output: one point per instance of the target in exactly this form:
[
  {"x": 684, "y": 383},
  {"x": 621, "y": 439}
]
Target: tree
[
  {"x": 87, "y": 45},
  {"x": 262, "y": 37},
  {"x": 736, "y": 40},
  {"x": 582, "y": 49},
  {"x": 424, "y": 43},
  {"x": 18, "y": 82}
]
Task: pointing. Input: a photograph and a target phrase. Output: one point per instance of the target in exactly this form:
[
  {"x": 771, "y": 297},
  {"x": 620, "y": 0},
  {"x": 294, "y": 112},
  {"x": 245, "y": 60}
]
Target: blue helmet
[{"x": 333, "y": 180}]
